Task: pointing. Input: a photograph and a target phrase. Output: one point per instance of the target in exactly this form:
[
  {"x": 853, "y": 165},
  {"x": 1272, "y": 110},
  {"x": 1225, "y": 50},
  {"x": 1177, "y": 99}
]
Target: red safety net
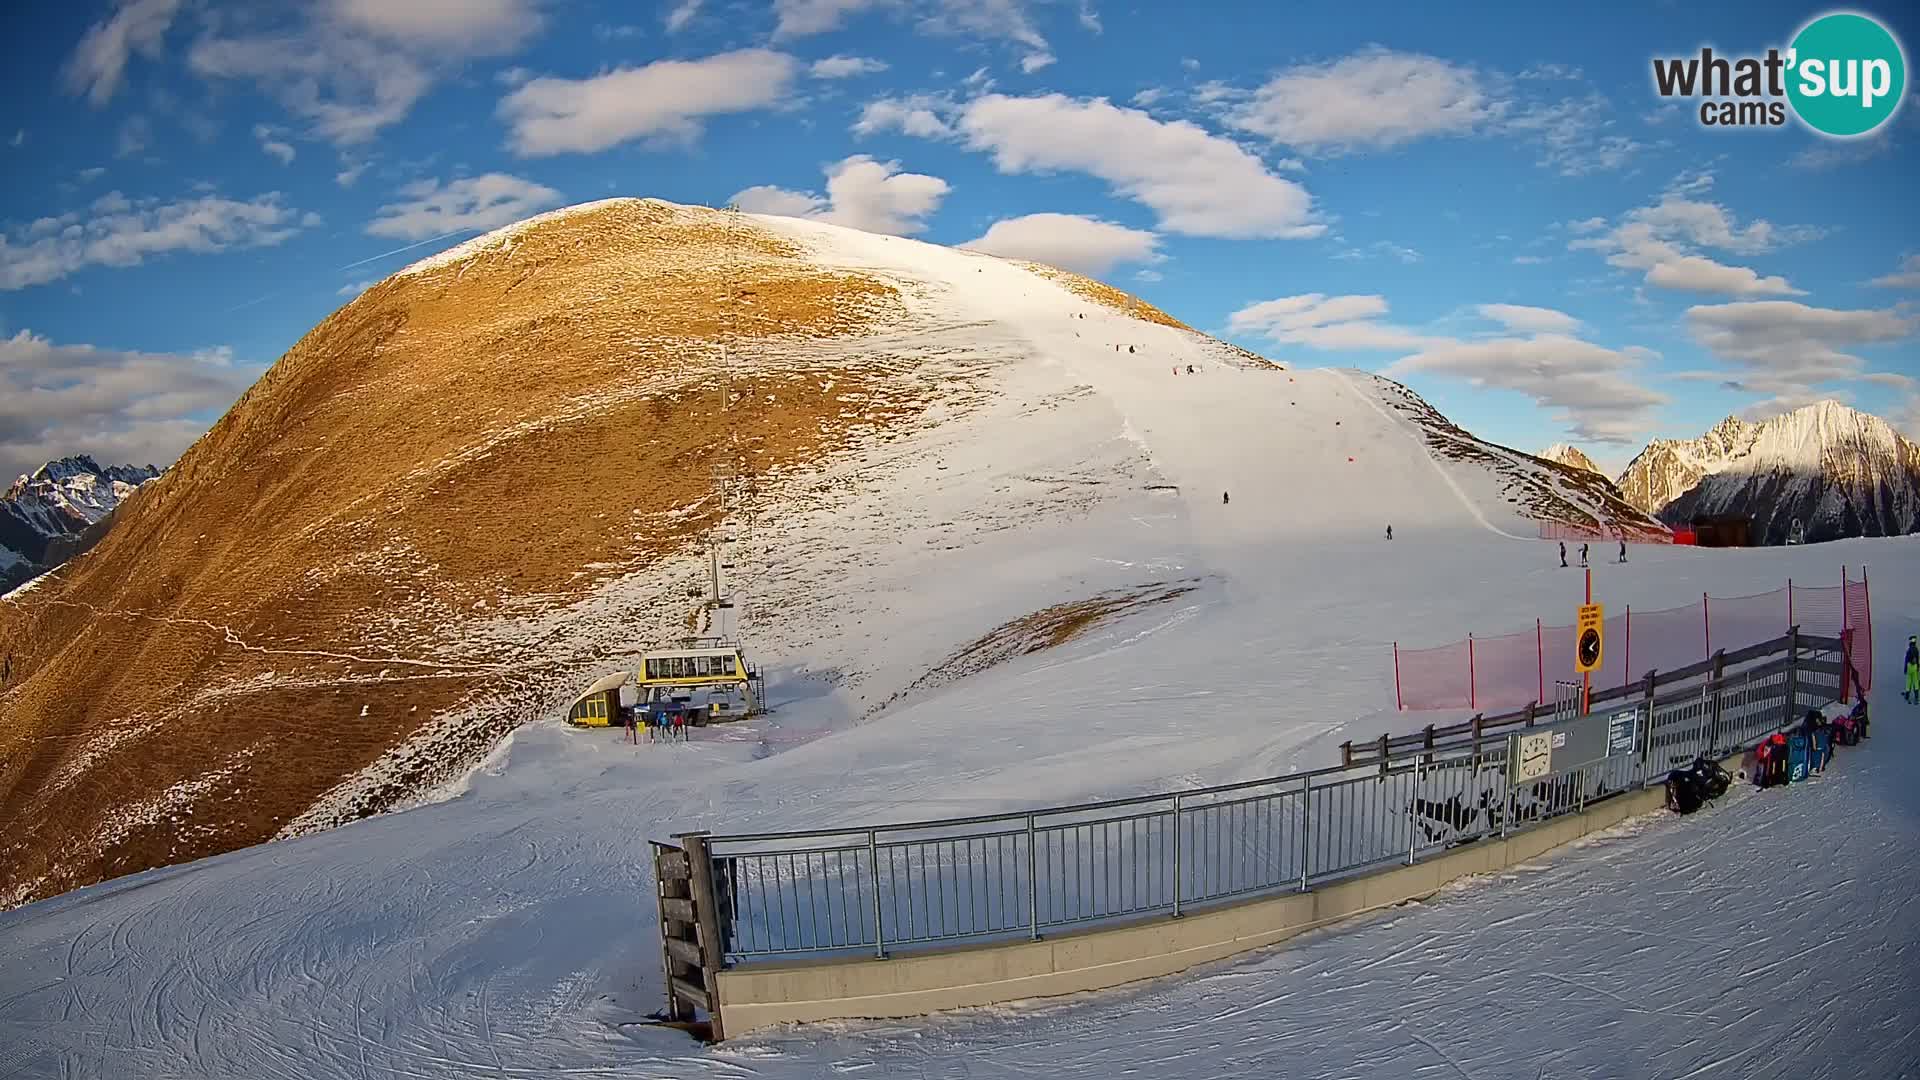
[
  {"x": 1435, "y": 678},
  {"x": 1860, "y": 621},
  {"x": 1500, "y": 673},
  {"x": 1506, "y": 671},
  {"x": 1739, "y": 621}
]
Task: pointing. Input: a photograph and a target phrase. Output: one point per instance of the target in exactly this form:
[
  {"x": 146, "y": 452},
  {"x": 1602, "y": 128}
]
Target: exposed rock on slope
[{"x": 1835, "y": 471}]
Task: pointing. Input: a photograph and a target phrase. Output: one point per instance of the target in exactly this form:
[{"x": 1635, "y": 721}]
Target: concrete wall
[{"x": 914, "y": 984}]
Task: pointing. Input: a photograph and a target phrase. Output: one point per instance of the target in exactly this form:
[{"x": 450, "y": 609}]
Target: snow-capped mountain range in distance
[
  {"x": 1570, "y": 456},
  {"x": 46, "y": 514},
  {"x": 1821, "y": 472}
]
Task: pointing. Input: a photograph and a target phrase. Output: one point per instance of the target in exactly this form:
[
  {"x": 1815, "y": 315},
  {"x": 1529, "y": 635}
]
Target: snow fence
[{"x": 1515, "y": 670}]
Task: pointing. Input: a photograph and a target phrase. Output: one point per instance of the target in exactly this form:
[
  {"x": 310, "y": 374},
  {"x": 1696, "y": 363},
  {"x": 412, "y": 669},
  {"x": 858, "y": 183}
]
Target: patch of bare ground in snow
[
  {"x": 1047, "y": 628},
  {"x": 1102, "y": 293}
]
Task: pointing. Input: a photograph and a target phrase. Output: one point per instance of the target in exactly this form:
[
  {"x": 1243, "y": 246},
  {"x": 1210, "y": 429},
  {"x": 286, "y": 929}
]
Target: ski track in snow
[{"x": 509, "y": 931}]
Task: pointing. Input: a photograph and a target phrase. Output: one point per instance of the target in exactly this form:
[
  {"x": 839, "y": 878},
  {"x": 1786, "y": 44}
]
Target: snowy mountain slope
[
  {"x": 343, "y": 596},
  {"x": 1835, "y": 471},
  {"x": 506, "y": 931},
  {"x": 44, "y": 514},
  {"x": 1570, "y": 456}
]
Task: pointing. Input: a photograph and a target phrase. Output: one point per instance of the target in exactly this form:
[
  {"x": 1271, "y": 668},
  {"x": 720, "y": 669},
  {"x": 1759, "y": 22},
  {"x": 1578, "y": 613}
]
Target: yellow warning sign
[{"x": 1589, "y": 638}]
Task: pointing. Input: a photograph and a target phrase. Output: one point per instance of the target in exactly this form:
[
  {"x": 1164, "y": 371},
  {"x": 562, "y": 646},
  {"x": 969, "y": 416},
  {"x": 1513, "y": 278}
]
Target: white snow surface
[{"x": 509, "y": 930}]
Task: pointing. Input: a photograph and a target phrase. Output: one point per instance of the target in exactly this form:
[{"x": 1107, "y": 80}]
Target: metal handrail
[
  {"x": 1808, "y": 642},
  {"x": 1026, "y": 872}
]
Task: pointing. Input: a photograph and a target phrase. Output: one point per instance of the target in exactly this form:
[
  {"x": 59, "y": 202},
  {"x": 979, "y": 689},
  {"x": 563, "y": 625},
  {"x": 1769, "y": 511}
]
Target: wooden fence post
[
  {"x": 1383, "y": 753},
  {"x": 707, "y": 919},
  {"x": 1429, "y": 746},
  {"x": 1346, "y": 754}
]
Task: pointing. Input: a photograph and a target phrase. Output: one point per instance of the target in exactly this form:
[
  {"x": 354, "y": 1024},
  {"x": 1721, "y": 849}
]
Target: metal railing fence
[{"x": 1008, "y": 876}]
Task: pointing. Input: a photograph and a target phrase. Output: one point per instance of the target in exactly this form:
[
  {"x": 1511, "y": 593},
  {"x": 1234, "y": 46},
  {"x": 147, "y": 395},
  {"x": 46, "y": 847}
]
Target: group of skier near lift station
[{"x": 1563, "y": 551}]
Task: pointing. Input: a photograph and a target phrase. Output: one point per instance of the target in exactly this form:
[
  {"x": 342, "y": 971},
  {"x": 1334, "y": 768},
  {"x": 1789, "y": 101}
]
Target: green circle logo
[{"x": 1846, "y": 75}]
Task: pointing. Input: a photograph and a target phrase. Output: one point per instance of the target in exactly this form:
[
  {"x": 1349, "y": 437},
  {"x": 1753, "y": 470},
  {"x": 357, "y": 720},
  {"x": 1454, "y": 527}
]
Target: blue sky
[{"x": 1498, "y": 210}]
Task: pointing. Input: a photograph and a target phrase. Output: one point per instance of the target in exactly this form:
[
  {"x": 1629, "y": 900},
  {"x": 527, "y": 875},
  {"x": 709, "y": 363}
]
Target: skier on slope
[
  {"x": 1912, "y": 693},
  {"x": 1389, "y": 532},
  {"x": 1224, "y": 500},
  {"x": 1623, "y": 551},
  {"x": 1583, "y": 554},
  {"x": 1563, "y": 554}
]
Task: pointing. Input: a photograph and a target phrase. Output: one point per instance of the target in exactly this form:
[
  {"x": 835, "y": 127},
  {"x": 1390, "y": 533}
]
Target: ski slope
[{"x": 507, "y": 929}]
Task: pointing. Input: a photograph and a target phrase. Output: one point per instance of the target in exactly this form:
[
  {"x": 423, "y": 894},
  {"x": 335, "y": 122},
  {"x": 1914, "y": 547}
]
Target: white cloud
[
  {"x": 134, "y": 407},
  {"x": 1530, "y": 320},
  {"x": 1588, "y": 386},
  {"x": 1788, "y": 349},
  {"x": 1070, "y": 241},
  {"x": 351, "y": 68},
  {"x": 1198, "y": 183},
  {"x": 351, "y": 172},
  {"x": 1591, "y": 389},
  {"x": 1840, "y": 154},
  {"x": 1907, "y": 277},
  {"x": 1089, "y": 18},
  {"x": 1323, "y": 322},
  {"x": 99, "y": 62},
  {"x": 1148, "y": 98},
  {"x": 355, "y": 288},
  {"x": 846, "y": 67},
  {"x": 924, "y": 116},
  {"x": 272, "y": 145},
  {"x": 861, "y": 193},
  {"x": 1004, "y": 20},
  {"x": 136, "y": 134},
  {"x": 1574, "y": 135},
  {"x": 1374, "y": 98},
  {"x": 1378, "y": 98},
  {"x": 122, "y": 232},
  {"x": 1656, "y": 240},
  {"x": 1380, "y": 249},
  {"x": 471, "y": 27},
  {"x": 475, "y": 203},
  {"x": 665, "y": 100},
  {"x": 88, "y": 176},
  {"x": 1907, "y": 420},
  {"x": 800, "y": 18},
  {"x": 347, "y": 88},
  {"x": 682, "y": 14}
]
